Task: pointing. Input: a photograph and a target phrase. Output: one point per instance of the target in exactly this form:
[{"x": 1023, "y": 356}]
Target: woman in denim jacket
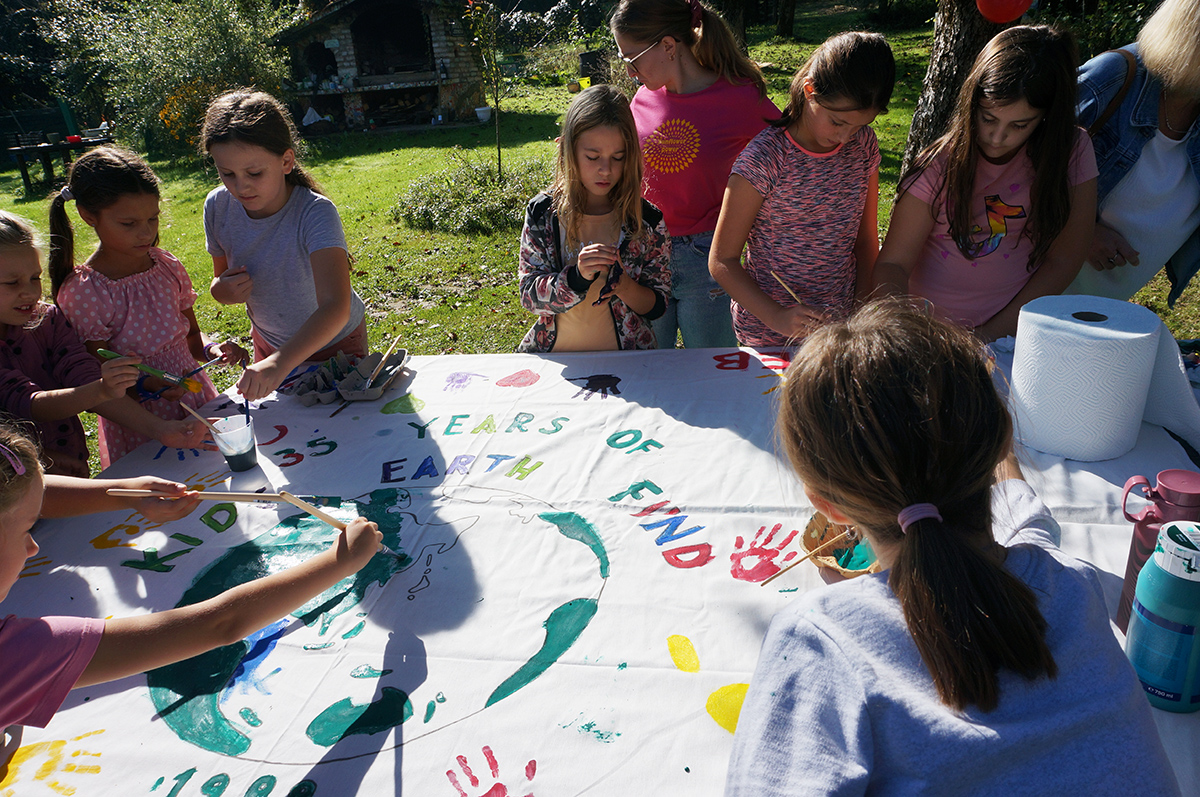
[{"x": 1148, "y": 153}]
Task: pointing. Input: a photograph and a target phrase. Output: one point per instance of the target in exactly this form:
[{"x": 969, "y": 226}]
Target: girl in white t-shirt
[
  {"x": 981, "y": 661},
  {"x": 276, "y": 242}
]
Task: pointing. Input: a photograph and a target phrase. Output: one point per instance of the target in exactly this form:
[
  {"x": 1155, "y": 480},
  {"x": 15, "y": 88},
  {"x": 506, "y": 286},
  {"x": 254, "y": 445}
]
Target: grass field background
[{"x": 452, "y": 293}]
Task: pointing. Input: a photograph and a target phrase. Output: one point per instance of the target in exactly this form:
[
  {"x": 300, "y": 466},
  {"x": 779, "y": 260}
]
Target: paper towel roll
[{"x": 1087, "y": 371}]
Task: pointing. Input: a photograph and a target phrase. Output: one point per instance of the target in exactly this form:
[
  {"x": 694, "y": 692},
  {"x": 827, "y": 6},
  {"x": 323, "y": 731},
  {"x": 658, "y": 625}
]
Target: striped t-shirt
[{"x": 807, "y": 226}]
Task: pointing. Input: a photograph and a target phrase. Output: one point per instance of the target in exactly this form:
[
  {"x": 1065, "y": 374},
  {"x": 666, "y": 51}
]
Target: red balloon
[{"x": 1003, "y": 11}]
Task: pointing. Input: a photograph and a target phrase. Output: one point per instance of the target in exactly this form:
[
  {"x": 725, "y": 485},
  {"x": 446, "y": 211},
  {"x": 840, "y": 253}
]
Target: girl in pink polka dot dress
[{"x": 129, "y": 296}]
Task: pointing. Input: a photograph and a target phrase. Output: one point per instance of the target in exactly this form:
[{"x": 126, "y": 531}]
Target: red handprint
[
  {"x": 497, "y": 789},
  {"x": 764, "y": 567}
]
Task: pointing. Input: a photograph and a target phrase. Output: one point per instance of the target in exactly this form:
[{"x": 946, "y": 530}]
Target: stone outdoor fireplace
[{"x": 372, "y": 63}]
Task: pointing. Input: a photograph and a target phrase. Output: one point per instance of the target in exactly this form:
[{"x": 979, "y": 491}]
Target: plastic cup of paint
[{"x": 234, "y": 436}]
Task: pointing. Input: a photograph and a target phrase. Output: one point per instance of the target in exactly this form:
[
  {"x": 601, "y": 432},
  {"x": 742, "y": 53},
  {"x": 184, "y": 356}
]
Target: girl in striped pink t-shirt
[{"x": 803, "y": 198}]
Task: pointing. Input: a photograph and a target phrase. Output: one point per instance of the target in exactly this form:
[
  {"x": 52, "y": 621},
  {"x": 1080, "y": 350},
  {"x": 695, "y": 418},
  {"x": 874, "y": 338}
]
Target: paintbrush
[
  {"x": 779, "y": 279},
  {"x": 847, "y": 534},
  {"x": 382, "y": 362},
  {"x": 201, "y": 418},
  {"x": 191, "y": 385},
  {"x": 214, "y": 495},
  {"x": 329, "y": 519},
  {"x": 195, "y": 371}
]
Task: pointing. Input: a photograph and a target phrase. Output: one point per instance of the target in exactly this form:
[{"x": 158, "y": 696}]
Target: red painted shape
[{"x": 523, "y": 378}]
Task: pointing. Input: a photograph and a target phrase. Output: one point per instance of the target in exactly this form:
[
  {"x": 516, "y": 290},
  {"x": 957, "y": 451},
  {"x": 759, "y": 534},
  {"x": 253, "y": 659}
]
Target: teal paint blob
[
  {"x": 575, "y": 527},
  {"x": 344, "y": 719},
  {"x": 608, "y": 737},
  {"x": 429, "y": 710},
  {"x": 355, "y": 631},
  {"x": 563, "y": 627},
  {"x": 186, "y": 694},
  {"x": 321, "y": 646},
  {"x": 250, "y": 717},
  {"x": 857, "y": 557},
  {"x": 622, "y": 665},
  {"x": 367, "y": 671}
]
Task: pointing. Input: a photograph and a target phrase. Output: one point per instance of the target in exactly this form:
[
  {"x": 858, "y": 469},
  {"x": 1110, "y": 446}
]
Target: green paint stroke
[
  {"x": 344, "y": 718},
  {"x": 563, "y": 627},
  {"x": 187, "y": 693},
  {"x": 608, "y": 737},
  {"x": 320, "y": 646},
  {"x": 576, "y": 528},
  {"x": 355, "y": 631},
  {"x": 367, "y": 671},
  {"x": 250, "y": 717},
  {"x": 407, "y": 404}
]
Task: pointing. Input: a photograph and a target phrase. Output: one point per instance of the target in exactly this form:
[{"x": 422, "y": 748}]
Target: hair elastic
[
  {"x": 697, "y": 13},
  {"x": 911, "y": 514},
  {"x": 66, "y": 194},
  {"x": 13, "y": 459}
]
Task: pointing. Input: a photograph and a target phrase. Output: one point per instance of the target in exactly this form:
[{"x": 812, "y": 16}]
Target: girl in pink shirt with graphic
[
  {"x": 43, "y": 658},
  {"x": 1000, "y": 210},
  {"x": 700, "y": 103}
]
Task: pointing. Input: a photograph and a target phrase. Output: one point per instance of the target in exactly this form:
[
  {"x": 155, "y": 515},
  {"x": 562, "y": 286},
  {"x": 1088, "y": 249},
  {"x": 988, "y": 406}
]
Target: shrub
[
  {"x": 467, "y": 198},
  {"x": 521, "y": 30}
]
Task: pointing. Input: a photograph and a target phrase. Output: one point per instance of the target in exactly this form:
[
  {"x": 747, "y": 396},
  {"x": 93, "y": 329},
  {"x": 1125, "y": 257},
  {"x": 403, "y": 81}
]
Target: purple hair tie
[
  {"x": 911, "y": 514},
  {"x": 13, "y": 460},
  {"x": 697, "y": 13}
]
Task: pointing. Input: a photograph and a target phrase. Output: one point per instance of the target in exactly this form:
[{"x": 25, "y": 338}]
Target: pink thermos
[{"x": 1175, "y": 497}]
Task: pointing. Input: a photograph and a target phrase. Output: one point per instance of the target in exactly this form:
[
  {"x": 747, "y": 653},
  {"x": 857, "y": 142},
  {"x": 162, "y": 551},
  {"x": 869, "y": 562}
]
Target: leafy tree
[
  {"x": 483, "y": 20},
  {"x": 161, "y": 61}
]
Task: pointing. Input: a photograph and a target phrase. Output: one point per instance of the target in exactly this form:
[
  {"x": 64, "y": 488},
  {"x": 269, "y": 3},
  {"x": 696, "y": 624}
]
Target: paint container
[
  {"x": 235, "y": 438},
  {"x": 1162, "y": 643}
]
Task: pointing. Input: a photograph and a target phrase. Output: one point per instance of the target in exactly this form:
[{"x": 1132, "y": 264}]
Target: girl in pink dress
[{"x": 129, "y": 296}]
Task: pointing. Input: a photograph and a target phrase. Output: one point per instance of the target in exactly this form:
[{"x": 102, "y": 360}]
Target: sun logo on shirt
[{"x": 672, "y": 146}]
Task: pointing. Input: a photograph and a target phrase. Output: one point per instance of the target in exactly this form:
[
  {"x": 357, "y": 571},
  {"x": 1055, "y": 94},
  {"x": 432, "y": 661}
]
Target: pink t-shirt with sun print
[{"x": 970, "y": 290}]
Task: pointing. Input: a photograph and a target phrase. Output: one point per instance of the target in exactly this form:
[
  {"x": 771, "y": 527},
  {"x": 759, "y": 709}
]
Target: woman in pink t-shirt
[
  {"x": 999, "y": 210},
  {"x": 700, "y": 103}
]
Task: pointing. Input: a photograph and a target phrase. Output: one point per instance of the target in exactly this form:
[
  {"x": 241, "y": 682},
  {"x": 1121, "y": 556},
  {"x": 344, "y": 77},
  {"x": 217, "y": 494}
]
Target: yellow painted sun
[{"x": 672, "y": 146}]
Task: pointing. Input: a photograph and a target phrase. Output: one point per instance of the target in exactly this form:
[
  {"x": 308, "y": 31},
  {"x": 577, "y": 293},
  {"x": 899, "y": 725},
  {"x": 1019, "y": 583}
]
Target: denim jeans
[{"x": 699, "y": 306}]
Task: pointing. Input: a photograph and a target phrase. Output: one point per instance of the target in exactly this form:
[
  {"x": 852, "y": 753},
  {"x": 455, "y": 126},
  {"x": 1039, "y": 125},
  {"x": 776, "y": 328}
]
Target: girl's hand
[
  {"x": 259, "y": 379},
  {"x": 117, "y": 376},
  {"x": 153, "y": 384},
  {"x": 181, "y": 434},
  {"x": 176, "y": 502},
  {"x": 233, "y": 354},
  {"x": 798, "y": 321},
  {"x": 1110, "y": 249},
  {"x": 358, "y": 543},
  {"x": 232, "y": 287},
  {"x": 595, "y": 259}
]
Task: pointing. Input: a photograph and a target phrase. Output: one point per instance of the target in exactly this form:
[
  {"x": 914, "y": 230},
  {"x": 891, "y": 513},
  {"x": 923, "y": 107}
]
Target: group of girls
[
  {"x": 981, "y": 660},
  {"x": 770, "y": 220},
  {"x": 277, "y": 246}
]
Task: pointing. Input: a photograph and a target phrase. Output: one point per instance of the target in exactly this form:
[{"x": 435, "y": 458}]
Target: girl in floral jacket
[{"x": 595, "y": 256}]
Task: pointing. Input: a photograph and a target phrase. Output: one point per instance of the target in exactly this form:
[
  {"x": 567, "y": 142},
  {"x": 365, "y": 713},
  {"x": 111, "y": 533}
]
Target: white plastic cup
[{"x": 235, "y": 439}]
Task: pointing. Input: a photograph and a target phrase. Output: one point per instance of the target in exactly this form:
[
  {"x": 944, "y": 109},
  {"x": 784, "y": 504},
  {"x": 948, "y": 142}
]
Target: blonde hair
[
  {"x": 17, "y": 232},
  {"x": 24, "y": 452},
  {"x": 1169, "y": 44},
  {"x": 598, "y": 106}
]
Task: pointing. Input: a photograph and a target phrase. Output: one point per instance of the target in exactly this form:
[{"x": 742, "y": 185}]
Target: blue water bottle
[{"x": 1162, "y": 643}]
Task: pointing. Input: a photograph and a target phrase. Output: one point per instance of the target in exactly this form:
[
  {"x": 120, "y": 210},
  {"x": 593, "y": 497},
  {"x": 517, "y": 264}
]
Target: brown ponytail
[
  {"x": 98, "y": 179},
  {"x": 711, "y": 41},
  {"x": 893, "y": 407}
]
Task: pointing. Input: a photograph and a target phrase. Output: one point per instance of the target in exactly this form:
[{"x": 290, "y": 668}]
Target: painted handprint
[
  {"x": 497, "y": 789},
  {"x": 604, "y": 384},
  {"x": 459, "y": 380},
  {"x": 762, "y": 554}
]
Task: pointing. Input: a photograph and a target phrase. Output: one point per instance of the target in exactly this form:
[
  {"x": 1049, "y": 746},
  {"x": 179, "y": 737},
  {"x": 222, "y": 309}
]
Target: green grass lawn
[{"x": 449, "y": 293}]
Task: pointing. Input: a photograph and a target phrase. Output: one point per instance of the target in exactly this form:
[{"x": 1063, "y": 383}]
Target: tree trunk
[
  {"x": 959, "y": 33},
  {"x": 785, "y": 22}
]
